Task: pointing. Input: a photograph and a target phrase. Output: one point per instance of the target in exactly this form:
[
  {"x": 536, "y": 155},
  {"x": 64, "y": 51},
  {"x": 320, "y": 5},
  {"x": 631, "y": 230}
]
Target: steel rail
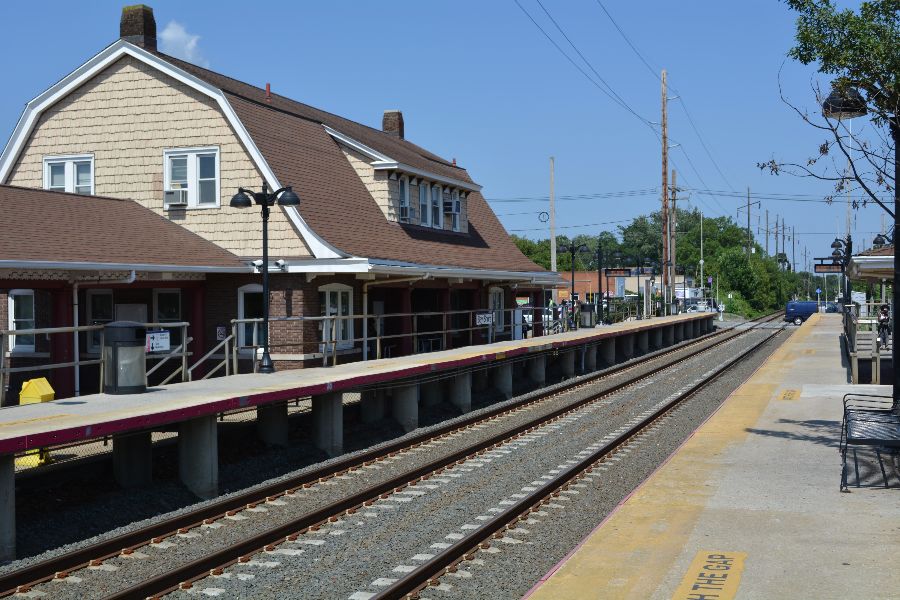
[
  {"x": 429, "y": 572},
  {"x": 213, "y": 563},
  {"x": 34, "y": 574}
]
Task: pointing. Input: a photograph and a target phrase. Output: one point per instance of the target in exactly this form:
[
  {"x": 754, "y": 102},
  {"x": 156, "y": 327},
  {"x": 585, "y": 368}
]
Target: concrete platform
[
  {"x": 749, "y": 506},
  {"x": 88, "y": 417}
]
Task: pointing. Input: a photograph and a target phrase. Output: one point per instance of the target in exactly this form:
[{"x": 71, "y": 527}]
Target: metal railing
[{"x": 6, "y": 355}]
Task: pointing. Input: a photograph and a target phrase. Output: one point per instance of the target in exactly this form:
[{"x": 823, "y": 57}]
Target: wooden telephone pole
[
  {"x": 665, "y": 195},
  {"x": 673, "y": 228}
]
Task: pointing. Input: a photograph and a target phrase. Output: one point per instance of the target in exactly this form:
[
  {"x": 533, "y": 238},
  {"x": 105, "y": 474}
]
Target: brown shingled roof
[
  {"x": 45, "y": 226},
  {"x": 883, "y": 251},
  {"x": 334, "y": 201}
]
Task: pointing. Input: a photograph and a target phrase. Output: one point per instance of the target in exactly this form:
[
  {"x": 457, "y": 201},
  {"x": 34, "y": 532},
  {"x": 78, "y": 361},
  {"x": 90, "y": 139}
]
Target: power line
[
  {"x": 610, "y": 94},
  {"x": 591, "y": 196},
  {"x": 576, "y": 226}
]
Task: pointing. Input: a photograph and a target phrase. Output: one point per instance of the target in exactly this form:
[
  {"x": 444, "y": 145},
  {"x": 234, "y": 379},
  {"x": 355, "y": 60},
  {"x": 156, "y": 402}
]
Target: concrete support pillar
[
  {"x": 537, "y": 370},
  {"x": 328, "y": 423},
  {"x": 431, "y": 393},
  {"x": 479, "y": 380},
  {"x": 133, "y": 459},
  {"x": 625, "y": 347},
  {"x": 656, "y": 338},
  {"x": 567, "y": 364},
  {"x": 461, "y": 392},
  {"x": 608, "y": 352},
  {"x": 590, "y": 359},
  {"x": 689, "y": 330},
  {"x": 272, "y": 424},
  {"x": 198, "y": 456},
  {"x": 7, "y": 507},
  {"x": 405, "y": 406},
  {"x": 668, "y": 335},
  {"x": 679, "y": 332},
  {"x": 372, "y": 407},
  {"x": 643, "y": 341},
  {"x": 502, "y": 379}
]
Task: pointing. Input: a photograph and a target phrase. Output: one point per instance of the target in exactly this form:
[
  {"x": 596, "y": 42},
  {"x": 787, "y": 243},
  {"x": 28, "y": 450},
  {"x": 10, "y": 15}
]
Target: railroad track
[{"x": 182, "y": 576}]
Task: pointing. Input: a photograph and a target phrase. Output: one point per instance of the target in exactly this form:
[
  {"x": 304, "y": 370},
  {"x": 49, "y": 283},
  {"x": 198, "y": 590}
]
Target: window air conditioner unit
[
  {"x": 175, "y": 198},
  {"x": 448, "y": 206}
]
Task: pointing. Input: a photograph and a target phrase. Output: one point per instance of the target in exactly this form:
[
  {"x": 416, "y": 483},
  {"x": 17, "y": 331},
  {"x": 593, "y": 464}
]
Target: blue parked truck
[{"x": 798, "y": 311}]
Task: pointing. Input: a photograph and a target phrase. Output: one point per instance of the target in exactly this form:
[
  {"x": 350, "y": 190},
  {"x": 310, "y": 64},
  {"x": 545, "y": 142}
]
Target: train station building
[{"x": 394, "y": 242}]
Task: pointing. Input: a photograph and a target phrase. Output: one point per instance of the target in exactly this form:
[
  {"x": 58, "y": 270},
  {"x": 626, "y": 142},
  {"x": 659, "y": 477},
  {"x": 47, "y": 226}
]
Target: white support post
[
  {"x": 406, "y": 406},
  {"x": 328, "y": 423},
  {"x": 461, "y": 392},
  {"x": 198, "y": 456},
  {"x": 7, "y": 507}
]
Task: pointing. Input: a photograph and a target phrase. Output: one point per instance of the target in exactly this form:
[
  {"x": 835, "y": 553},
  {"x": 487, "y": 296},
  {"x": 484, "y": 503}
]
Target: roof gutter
[{"x": 98, "y": 266}]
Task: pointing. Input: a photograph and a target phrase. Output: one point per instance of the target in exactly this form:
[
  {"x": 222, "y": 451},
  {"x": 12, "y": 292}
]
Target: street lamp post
[
  {"x": 245, "y": 199},
  {"x": 573, "y": 248},
  {"x": 600, "y": 286}
]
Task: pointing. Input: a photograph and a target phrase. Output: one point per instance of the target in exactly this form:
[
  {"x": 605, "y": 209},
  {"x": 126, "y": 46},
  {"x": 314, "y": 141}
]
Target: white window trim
[
  {"x": 404, "y": 199},
  {"x": 425, "y": 216},
  {"x": 89, "y": 309},
  {"x": 69, "y": 160},
  {"x": 500, "y": 314},
  {"x": 341, "y": 344},
  {"x": 193, "y": 174},
  {"x": 23, "y": 348},
  {"x": 456, "y": 209},
  {"x": 440, "y": 190},
  {"x": 250, "y": 288}
]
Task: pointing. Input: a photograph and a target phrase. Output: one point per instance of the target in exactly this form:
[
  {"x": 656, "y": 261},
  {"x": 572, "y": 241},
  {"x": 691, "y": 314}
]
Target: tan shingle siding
[{"x": 126, "y": 117}]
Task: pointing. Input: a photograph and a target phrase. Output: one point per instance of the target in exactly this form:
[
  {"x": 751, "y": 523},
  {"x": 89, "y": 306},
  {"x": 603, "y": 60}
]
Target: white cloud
[{"x": 181, "y": 44}]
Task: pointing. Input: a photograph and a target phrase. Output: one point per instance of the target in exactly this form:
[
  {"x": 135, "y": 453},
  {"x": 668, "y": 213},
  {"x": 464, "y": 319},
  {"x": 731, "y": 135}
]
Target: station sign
[
  {"x": 618, "y": 272},
  {"x": 484, "y": 318},
  {"x": 157, "y": 340},
  {"x": 829, "y": 268}
]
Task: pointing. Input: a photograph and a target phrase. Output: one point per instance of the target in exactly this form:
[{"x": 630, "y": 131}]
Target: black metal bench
[{"x": 869, "y": 420}]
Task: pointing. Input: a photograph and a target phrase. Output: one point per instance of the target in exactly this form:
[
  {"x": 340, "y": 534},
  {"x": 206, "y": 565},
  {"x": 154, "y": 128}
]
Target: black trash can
[{"x": 124, "y": 358}]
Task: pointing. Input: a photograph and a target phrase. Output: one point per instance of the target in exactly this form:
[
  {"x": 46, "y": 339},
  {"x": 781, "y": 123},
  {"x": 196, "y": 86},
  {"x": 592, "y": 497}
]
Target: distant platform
[
  {"x": 94, "y": 416},
  {"x": 749, "y": 506}
]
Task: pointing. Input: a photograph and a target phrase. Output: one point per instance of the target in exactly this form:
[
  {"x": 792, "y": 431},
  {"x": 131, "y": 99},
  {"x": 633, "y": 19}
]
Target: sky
[{"x": 480, "y": 82}]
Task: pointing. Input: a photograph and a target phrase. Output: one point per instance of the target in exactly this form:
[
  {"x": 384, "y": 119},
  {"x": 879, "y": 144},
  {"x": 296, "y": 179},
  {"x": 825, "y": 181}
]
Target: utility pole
[
  {"x": 767, "y": 232},
  {"x": 783, "y": 236},
  {"x": 702, "y": 280},
  {"x": 776, "y": 236},
  {"x": 665, "y": 192},
  {"x": 552, "y": 226},
  {"x": 749, "y": 233},
  {"x": 794, "y": 249},
  {"x": 673, "y": 228}
]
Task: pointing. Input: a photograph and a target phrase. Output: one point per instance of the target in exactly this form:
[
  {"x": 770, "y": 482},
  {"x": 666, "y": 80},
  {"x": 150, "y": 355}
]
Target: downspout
[
  {"x": 76, "y": 350},
  {"x": 365, "y": 302}
]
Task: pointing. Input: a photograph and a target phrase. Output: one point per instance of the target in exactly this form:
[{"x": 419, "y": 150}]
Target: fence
[{"x": 85, "y": 359}]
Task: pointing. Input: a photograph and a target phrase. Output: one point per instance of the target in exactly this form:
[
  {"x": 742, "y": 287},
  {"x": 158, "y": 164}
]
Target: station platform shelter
[
  {"x": 750, "y": 506},
  {"x": 394, "y": 387}
]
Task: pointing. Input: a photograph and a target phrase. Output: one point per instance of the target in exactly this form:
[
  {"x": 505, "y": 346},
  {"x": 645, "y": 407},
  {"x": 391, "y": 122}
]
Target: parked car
[{"x": 798, "y": 311}]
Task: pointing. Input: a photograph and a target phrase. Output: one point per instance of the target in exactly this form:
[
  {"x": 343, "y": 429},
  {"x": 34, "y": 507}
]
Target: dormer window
[
  {"x": 437, "y": 213},
  {"x": 424, "y": 209},
  {"x": 73, "y": 174},
  {"x": 192, "y": 178},
  {"x": 454, "y": 206},
  {"x": 404, "y": 199}
]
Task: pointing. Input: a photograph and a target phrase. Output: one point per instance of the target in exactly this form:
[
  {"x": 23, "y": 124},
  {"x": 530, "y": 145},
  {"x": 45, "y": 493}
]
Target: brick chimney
[
  {"x": 138, "y": 26},
  {"x": 392, "y": 123}
]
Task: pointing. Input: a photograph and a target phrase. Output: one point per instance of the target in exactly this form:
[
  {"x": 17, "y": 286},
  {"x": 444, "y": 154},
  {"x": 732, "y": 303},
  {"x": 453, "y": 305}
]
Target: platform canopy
[{"x": 876, "y": 264}]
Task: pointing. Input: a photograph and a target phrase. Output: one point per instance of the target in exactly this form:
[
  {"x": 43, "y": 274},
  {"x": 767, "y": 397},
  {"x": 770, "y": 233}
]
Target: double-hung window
[
  {"x": 336, "y": 300},
  {"x": 250, "y": 306},
  {"x": 454, "y": 210},
  {"x": 424, "y": 210},
  {"x": 73, "y": 174},
  {"x": 437, "y": 205},
  {"x": 193, "y": 173},
  {"x": 99, "y": 312},
  {"x": 404, "y": 199},
  {"x": 21, "y": 316}
]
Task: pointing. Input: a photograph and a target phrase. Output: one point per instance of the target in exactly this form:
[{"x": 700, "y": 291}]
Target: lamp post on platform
[{"x": 245, "y": 199}]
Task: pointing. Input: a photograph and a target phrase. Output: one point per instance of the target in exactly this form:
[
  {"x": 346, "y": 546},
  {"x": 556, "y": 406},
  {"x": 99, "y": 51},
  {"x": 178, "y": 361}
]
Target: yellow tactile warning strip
[
  {"x": 713, "y": 575},
  {"x": 636, "y": 547}
]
